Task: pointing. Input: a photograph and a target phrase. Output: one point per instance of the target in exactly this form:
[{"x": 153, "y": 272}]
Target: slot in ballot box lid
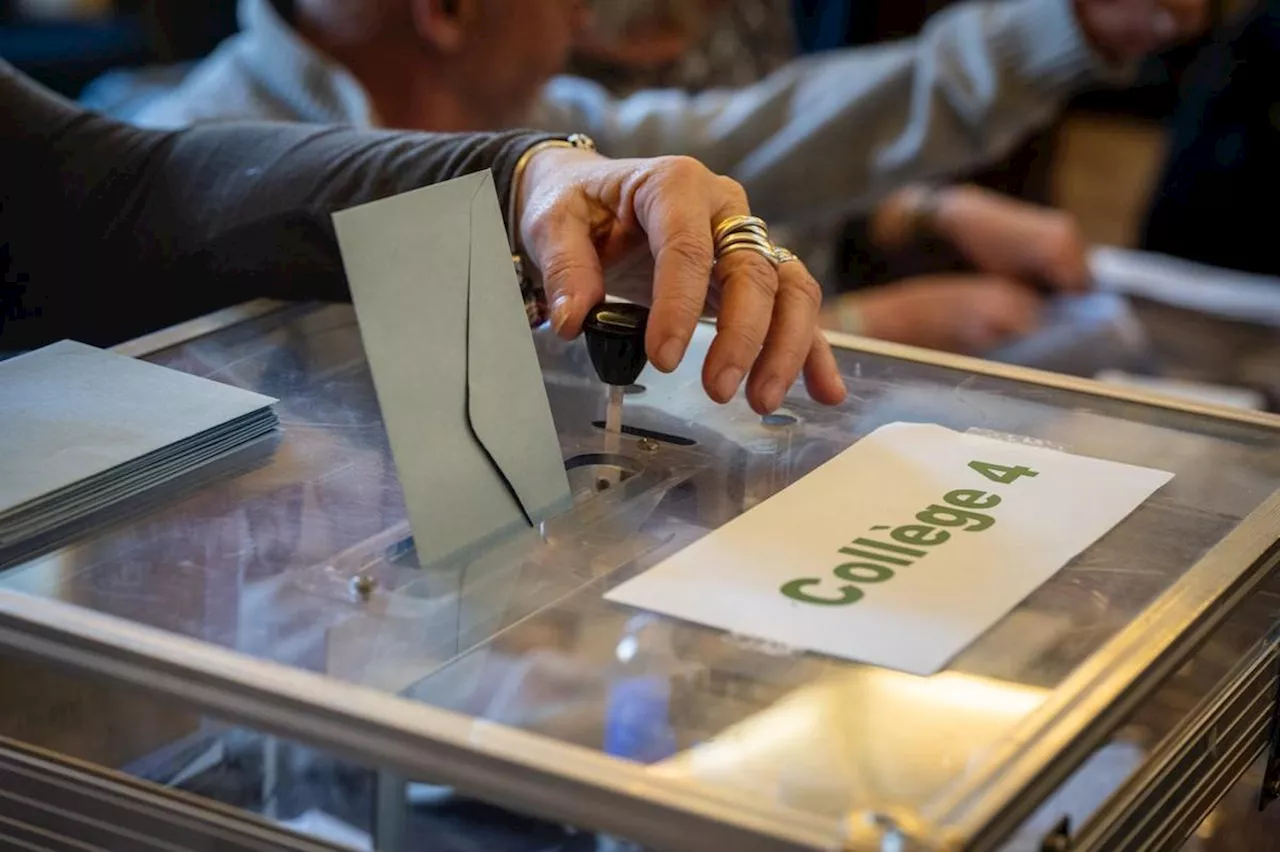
[{"x": 288, "y": 597}]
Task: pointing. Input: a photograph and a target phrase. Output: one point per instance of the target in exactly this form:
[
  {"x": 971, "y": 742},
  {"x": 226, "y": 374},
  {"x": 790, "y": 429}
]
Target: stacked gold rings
[{"x": 748, "y": 233}]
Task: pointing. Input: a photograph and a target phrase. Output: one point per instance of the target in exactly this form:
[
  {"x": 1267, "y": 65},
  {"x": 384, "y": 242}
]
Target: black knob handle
[{"x": 615, "y": 340}]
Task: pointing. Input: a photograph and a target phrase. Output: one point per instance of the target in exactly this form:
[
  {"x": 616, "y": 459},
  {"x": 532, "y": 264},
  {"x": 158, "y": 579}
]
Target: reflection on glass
[{"x": 869, "y": 736}]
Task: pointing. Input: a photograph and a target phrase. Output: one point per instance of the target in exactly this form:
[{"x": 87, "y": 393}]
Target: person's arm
[
  {"x": 101, "y": 223},
  {"x": 111, "y": 230},
  {"x": 832, "y": 132}
]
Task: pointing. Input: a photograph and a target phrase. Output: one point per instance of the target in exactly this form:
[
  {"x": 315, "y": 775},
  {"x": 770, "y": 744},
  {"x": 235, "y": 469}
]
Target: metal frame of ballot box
[{"x": 1208, "y": 636}]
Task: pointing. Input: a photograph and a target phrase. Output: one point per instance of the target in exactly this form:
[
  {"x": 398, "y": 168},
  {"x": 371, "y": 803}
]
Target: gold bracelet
[{"x": 578, "y": 140}]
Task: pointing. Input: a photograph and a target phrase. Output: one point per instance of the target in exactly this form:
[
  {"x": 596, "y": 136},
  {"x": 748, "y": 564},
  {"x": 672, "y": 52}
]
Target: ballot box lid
[{"x": 285, "y": 593}]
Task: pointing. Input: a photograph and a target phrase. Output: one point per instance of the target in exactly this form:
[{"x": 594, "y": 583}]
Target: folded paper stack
[{"x": 83, "y": 430}]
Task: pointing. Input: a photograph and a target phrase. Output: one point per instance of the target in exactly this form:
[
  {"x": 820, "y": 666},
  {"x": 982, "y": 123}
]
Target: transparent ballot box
[{"x": 1111, "y": 709}]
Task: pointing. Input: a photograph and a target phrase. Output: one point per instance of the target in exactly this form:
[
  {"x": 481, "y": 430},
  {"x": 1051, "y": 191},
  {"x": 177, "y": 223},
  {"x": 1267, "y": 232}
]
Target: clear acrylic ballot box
[{"x": 257, "y": 660}]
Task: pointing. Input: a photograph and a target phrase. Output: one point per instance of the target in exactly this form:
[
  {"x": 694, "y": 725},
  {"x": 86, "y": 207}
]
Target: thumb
[{"x": 572, "y": 275}]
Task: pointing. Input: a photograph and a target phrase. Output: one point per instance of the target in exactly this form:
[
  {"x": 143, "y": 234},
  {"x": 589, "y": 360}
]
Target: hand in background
[
  {"x": 1126, "y": 30},
  {"x": 969, "y": 314},
  {"x": 998, "y": 234}
]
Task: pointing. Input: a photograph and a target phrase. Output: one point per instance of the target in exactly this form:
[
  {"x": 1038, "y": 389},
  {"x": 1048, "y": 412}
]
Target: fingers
[
  {"x": 956, "y": 313},
  {"x": 557, "y": 229},
  {"x": 822, "y": 374},
  {"x": 1125, "y": 30},
  {"x": 1065, "y": 259},
  {"x": 673, "y": 209},
  {"x": 1021, "y": 313},
  {"x": 1004, "y": 310},
  {"x": 1006, "y": 236},
  {"x": 789, "y": 338},
  {"x": 766, "y": 316},
  {"x": 563, "y": 250},
  {"x": 583, "y": 213},
  {"x": 748, "y": 286},
  {"x": 680, "y": 236},
  {"x": 755, "y": 334}
]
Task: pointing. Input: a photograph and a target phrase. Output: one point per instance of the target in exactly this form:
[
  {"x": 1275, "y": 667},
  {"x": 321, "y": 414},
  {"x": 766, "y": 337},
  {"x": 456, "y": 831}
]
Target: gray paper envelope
[
  {"x": 454, "y": 366},
  {"x": 72, "y": 414}
]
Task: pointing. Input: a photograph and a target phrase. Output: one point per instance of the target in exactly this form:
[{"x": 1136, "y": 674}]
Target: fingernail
[
  {"x": 772, "y": 393},
  {"x": 561, "y": 307},
  {"x": 728, "y": 380},
  {"x": 842, "y": 391},
  {"x": 670, "y": 353}
]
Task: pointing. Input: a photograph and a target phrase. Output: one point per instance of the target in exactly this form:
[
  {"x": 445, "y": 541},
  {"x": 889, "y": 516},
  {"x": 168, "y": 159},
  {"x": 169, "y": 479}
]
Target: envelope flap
[
  {"x": 409, "y": 264},
  {"x": 506, "y": 398}
]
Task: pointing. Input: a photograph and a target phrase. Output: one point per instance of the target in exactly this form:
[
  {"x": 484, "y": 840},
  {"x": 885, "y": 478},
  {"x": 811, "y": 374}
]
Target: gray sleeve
[
  {"x": 111, "y": 231},
  {"x": 831, "y": 133}
]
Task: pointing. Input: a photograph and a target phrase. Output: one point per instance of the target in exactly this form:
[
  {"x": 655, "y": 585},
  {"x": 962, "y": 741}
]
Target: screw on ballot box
[{"x": 615, "y": 340}]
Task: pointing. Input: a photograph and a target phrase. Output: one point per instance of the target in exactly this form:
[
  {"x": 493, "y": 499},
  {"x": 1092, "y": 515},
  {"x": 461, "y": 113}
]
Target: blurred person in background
[
  {"x": 1221, "y": 178},
  {"x": 815, "y": 139},
  {"x": 981, "y": 75},
  {"x": 933, "y": 238}
]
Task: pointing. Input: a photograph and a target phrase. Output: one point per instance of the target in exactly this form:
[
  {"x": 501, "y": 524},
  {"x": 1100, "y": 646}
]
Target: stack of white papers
[
  {"x": 1204, "y": 392},
  {"x": 82, "y": 430},
  {"x": 1225, "y": 293}
]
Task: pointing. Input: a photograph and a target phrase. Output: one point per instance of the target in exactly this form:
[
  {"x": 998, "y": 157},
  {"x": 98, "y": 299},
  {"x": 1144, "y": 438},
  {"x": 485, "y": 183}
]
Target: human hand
[
  {"x": 1125, "y": 30},
  {"x": 580, "y": 213},
  {"x": 970, "y": 314},
  {"x": 998, "y": 234}
]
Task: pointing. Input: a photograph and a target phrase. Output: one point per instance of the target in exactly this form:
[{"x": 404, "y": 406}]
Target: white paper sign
[{"x": 901, "y": 550}]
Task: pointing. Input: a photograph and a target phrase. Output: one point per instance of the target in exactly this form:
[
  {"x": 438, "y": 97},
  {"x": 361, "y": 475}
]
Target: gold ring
[
  {"x": 741, "y": 223},
  {"x": 784, "y": 255},
  {"x": 743, "y": 238},
  {"x": 764, "y": 251},
  {"x": 739, "y": 233}
]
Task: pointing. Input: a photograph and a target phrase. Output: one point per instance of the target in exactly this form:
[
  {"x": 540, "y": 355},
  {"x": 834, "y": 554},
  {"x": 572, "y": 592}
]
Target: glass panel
[
  {"x": 301, "y": 789},
  {"x": 1201, "y": 686},
  {"x": 305, "y": 559},
  {"x": 1237, "y": 825}
]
